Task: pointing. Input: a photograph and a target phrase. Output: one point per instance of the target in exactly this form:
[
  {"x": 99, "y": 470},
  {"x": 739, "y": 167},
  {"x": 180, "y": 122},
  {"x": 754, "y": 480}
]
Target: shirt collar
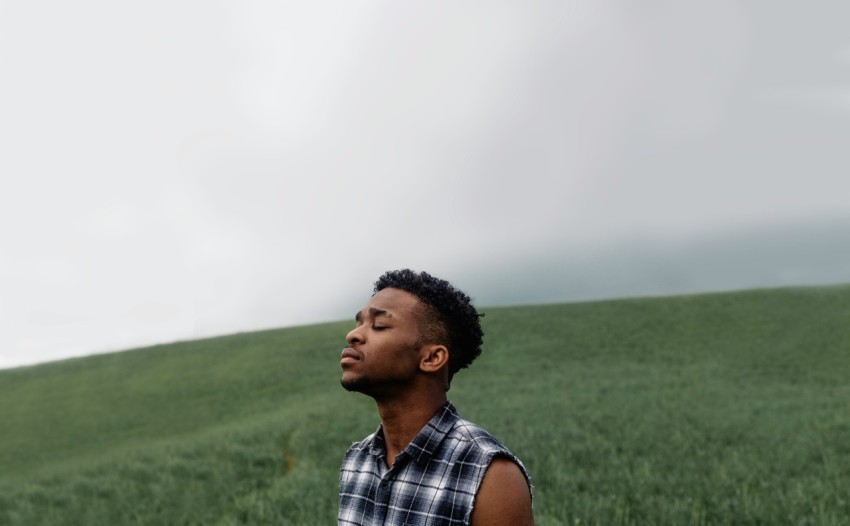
[{"x": 424, "y": 444}]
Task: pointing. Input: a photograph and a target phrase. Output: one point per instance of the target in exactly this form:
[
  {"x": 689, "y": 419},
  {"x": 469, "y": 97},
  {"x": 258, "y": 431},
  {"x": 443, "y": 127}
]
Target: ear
[{"x": 434, "y": 358}]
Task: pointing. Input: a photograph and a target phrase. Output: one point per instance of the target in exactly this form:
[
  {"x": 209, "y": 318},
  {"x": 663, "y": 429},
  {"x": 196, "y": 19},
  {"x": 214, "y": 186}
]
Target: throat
[{"x": 401, "y": 423}]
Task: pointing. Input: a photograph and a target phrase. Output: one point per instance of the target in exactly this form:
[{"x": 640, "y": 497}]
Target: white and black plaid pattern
[{"x": 432, "y": 482}]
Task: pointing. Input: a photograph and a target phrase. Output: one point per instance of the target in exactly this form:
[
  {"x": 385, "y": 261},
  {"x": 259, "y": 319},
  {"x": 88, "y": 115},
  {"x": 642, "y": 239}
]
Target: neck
[{"x": 403, "y": 418}]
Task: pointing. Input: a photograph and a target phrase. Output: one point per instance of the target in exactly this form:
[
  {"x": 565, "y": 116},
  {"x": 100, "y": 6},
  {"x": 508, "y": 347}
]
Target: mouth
[{"x": 349, "y": 355}]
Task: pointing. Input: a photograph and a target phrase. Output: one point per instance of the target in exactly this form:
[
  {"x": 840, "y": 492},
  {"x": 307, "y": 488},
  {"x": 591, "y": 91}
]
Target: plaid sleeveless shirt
[{"x": 432, "y": 482}]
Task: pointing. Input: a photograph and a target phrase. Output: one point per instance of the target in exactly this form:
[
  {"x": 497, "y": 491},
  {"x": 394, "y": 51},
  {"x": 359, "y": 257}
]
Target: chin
[{"x": 353, "y": 384}]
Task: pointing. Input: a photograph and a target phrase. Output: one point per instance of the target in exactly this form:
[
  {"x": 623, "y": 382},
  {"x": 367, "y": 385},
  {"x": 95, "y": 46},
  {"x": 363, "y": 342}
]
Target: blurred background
[{"x": 174, "y": 170}]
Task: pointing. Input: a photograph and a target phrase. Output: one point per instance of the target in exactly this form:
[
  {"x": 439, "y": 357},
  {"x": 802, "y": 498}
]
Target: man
[{"x": 424, "y": 465}]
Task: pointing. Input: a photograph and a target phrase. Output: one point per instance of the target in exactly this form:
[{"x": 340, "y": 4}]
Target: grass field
[{"x": 725, "y": 409}]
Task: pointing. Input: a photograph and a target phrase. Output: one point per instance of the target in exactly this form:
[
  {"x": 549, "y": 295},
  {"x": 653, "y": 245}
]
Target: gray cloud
[{"x": 194, "y": 169}]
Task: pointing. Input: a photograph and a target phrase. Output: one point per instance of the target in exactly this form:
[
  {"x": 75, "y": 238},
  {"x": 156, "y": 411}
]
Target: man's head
[
  {"x": 414, "y": 326},
  {"x": 448, "y": 317}
]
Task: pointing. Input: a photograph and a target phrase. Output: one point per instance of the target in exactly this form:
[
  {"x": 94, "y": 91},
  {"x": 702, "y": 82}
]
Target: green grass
[{"x": 726, "y": 408}]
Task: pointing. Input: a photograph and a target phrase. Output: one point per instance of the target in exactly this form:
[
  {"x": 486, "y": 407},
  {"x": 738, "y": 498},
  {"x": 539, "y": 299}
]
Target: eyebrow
[{"x": 374, "y": 311}]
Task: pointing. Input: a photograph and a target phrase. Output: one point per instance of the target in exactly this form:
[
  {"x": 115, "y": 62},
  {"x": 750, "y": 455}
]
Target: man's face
[{"x": 383, "y": 352}]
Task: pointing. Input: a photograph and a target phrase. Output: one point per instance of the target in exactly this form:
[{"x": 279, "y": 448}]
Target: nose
[{"x": 354, "y": 336}]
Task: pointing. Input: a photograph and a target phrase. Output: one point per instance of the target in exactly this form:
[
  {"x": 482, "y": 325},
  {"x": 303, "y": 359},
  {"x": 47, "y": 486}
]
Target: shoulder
[
  {"x": 503, "y": 486},
  {"x": 360, "y": 449},
  {"x": 480, "y": 439},
  {"x": 504, "y": 497},
  {"x": 476, "y": 436},
  {"x": 360, "y": 445},
  {"x": 487, "y": 447}
]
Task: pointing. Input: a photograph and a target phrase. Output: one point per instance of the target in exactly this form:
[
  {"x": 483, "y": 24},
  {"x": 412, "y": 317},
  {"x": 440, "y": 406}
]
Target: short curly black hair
[{"x": 450, "y": 316}]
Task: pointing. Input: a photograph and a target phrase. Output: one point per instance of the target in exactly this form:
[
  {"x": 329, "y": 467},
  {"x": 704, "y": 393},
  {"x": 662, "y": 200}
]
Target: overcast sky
[{"x": 172, "y": 170}]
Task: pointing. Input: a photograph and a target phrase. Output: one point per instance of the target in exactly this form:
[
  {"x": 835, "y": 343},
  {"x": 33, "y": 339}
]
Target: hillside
[{"x": 713, "y": 409}]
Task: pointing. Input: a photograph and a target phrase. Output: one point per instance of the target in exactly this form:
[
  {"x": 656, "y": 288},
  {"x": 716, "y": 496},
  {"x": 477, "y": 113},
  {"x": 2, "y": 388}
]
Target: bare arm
[{"x": 503, "y": 498}]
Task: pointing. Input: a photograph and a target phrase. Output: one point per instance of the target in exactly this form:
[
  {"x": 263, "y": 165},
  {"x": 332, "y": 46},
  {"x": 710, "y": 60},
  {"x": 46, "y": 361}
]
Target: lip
[{"x": 349, "y": 355}]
